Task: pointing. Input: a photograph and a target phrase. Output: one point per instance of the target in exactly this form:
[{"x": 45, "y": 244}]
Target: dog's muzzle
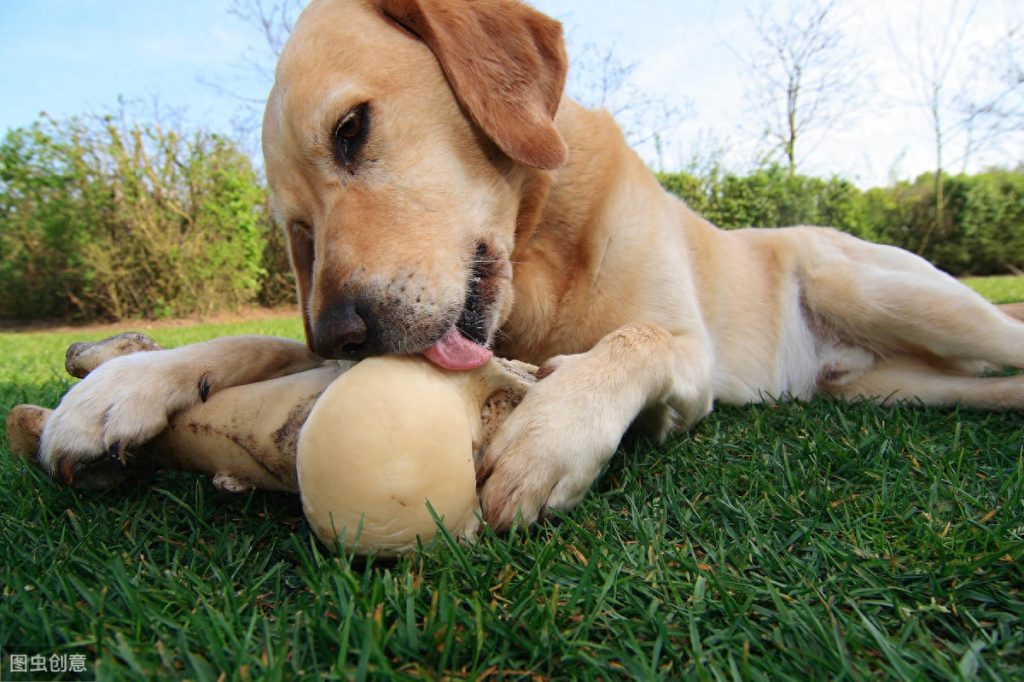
[{"x": 364, "y": 323}]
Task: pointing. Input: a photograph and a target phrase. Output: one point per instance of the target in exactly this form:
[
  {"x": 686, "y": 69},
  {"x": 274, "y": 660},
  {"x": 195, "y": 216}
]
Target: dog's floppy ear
[
  {"x": 300, "y": 251},
  {"x": 506, "y": 64}
]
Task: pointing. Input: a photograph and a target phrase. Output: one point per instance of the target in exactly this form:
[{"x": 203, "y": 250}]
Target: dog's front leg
[
  {"x": 127, "y": 400},
  {"x": 553, "y": 446}
]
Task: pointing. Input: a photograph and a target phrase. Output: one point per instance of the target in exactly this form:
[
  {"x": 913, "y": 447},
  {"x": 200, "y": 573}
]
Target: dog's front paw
[
  {"x": 549, "y": 451},
  {"x": 120, "y": 405}
]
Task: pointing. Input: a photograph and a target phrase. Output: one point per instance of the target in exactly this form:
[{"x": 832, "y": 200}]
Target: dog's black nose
[{"x": 341, "y": 332}]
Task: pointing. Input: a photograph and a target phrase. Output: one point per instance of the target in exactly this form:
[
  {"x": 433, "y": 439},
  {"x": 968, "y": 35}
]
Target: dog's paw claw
[{"x": 120, "y": 406}]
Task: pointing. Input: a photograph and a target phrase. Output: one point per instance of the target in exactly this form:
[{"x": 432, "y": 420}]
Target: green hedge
[
  {"x": 982, "y": 231},
  {"x": 101, "y": 219},
  {"x": 768, "y": 198},
  {"x": 983, "y": 221},
  {"x": 105, "y": 219}
]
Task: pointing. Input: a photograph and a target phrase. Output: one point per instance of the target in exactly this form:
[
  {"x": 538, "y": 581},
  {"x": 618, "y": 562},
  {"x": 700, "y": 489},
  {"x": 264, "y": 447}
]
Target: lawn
[
  {"x": 998, "y": 289},
  {"x": 814, "y": 541}
]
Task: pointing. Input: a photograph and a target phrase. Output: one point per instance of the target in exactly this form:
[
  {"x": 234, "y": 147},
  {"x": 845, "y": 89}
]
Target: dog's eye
[{"x": 350, "y": 134}]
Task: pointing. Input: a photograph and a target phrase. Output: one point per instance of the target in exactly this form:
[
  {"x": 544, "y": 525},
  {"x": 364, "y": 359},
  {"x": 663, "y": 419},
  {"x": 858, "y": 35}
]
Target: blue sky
[{"x": 74, "y": 56}]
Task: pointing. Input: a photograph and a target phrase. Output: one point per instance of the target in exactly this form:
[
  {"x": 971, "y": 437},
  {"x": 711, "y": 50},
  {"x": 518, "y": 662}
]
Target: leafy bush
[
  {"x": 103, "y": 219},
  {"x": 982, "y": 230},
  {"x": 769, "y": 197},
  {"x": 278, "y": 285}
]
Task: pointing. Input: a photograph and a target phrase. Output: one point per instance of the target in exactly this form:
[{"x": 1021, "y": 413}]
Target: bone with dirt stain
[
  {"x": 366, "y": 446},
  {"x": 390, "y": 435}
]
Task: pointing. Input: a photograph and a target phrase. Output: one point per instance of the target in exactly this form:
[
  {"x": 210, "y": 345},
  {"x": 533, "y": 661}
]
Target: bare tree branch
[
  {"x": 929, "y": 67},
  {"x": 1001, "y": 111},
  {"x": 599, "y": 79},
  {"x": 272, "y": 22},
  {"x": 275, "y": 20},
  {"x": 804, "y": 77}
]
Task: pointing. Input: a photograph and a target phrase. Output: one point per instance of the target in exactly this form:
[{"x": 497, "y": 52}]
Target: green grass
[
  {"x": 819, "y": 541},
  {"x": 998, "y": 289}
]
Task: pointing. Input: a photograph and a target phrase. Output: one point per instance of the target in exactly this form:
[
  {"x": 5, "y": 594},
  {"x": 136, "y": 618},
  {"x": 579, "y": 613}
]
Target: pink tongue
[{"x": 455, "y": 351}]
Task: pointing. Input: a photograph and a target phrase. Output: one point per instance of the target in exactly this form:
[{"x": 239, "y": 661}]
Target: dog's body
[{"x": 441, "y": 196}]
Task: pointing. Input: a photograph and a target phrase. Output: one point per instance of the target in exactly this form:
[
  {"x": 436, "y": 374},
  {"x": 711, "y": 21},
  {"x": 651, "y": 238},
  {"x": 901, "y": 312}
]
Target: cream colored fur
[{"x": 642, "y": 310}]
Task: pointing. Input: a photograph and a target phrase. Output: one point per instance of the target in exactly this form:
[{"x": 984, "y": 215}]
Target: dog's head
[{"x": 398, "y": 138}]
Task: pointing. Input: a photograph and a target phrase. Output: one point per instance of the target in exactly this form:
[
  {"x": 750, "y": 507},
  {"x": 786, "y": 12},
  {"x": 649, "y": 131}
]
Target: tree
[
  {"x": 936, "y": 49},
  {"x": 599, "y": 79},
  {"x": 272, "y": 22},
  {"x": 804, "y": 76},
  {"x": 1001, "y": 110},
  {"x": 104, "y": 218},
  {"x": 275, "y": 20}
]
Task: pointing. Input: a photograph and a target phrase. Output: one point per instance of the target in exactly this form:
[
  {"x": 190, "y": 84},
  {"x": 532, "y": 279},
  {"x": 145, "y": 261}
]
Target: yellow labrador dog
[{"x": 441, "y": 196}]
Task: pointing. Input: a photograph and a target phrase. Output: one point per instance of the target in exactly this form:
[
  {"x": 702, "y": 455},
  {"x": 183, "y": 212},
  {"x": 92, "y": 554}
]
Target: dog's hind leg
[
  {"x": 909, "y": 379},
  {"x": 85, "y": 356},
  {"x": 24, "y": 426},
  {"x": 897, "y": 304}
]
